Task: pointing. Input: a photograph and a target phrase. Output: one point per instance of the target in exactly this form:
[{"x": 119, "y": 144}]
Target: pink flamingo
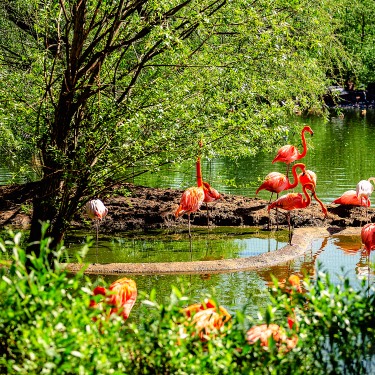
[
  {"x": 193, "y": 197},
  {"x": 120, "y": 296},
  {"x": 368, "y": 236},
  {"x": 310, "y": 178},
  {"x": 364, "y": 189},
  {"x": 276, "y": 182},
  {"x": 96, "y": 210},
  {"x": 350, "y": 198},
  {"x": 289, "y": 153},
  {"x": 292, "y": 201}
]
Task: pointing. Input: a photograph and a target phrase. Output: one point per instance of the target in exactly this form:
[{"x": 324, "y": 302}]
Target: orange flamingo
[
  {"x": 310, "y": 178},
  {"x": 276, "y": 182},
  {"x": 193, "y": 197},
  {"x": 350, "y": 198},
  {"x": 210, "y": 195},
  {"x": 206, "y": 317},
  {"x": 289, "y": 153},
  {"x": 264, "y": 332},
  {"x": 120, "y": 297},
  {"x": 368, "y": 236},
  {"x": 292, "y": 201}
]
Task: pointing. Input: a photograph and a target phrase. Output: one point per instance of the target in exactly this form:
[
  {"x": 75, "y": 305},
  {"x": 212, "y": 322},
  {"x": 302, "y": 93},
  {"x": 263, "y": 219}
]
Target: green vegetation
[
  {"x": 106, "y": 89},
  {"x": 47, "y": 326}
]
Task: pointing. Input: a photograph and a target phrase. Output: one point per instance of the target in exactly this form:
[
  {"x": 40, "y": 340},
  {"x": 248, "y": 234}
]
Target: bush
[{"x": 47, "y": 327}]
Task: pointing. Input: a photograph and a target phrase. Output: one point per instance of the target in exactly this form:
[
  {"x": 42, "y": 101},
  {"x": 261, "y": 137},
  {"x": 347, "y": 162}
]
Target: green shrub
[{"x": 47, "y": 327}]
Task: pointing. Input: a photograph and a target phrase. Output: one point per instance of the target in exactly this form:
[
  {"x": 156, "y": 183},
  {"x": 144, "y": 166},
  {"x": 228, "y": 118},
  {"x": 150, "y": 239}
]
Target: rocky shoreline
[{"x": 144, "y": 208}]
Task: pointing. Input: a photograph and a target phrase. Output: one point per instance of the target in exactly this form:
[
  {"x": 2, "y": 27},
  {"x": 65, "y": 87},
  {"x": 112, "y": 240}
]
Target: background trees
[{"x": 94, "y": 88}]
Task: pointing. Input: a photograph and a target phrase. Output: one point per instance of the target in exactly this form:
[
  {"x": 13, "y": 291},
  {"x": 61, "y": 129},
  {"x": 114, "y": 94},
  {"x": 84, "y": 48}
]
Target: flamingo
[
  {"x": 309, "y": 178},
  {"x": 206, "y": 317},
  {"x": 292, "y": 201},
  {"x": 289, "y": 153},
  {"x": 264, "y": 332},
  {"x": 350, "y": 198},
  {"x": 193, "y": 197},
  {"x": 120, "y": 297},
  {"x": 364, "y": 190},
  {"x": 96, "y": 210},
  {"x": 368, "y": 236},
  {"x": 210, "y": 195},
  {"x": 276, "y": 182}
]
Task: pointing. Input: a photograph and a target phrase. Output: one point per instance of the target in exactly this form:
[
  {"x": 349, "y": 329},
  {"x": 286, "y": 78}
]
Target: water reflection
[{"x": 339, "y": 255}]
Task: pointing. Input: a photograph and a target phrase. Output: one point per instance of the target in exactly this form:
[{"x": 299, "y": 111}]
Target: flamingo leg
[
  {"x": 277, "y": 213},
  {"x": 97, "y": 237},
  {"x": 208, "y": 216},
  {"x": 289, "y": 228},
  {"x": 189, "y": 225}
]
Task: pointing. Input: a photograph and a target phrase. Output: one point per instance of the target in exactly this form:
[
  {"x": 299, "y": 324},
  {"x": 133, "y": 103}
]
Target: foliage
[
  {"x": 104, "y": 90},
  {"x": 356, "y": 31},
  {"x": 46, "y": 326}
]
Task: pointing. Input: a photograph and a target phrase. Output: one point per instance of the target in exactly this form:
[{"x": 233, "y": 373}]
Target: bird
[
  {"x": 120, "y": 297},
  {"x": 364, "y": 189},
  {"x": 96, "y": 210},
  {"x": 292, "y": 201},
  {"x": 309, "y": 178},
  {"x": 264, "y": 332},
  {"x": 193, "y": 197},
  {"x": 350, "y": 198},
  {"x": 210, "y": 195},
  {"x": 206, "y": 317},
  {"x": 289, "y": 153},
  {"x": 368, "y": 237},
  {"x": 276, "y": 182}
]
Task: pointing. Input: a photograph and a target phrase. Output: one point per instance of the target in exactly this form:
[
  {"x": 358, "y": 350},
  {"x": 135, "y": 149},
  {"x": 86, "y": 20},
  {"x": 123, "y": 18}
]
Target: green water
[{"x": 341, "y": 153}]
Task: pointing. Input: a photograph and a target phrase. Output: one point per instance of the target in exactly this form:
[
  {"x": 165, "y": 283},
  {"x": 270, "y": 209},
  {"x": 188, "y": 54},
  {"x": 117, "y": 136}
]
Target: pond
[{"x": 340, "y": 152}]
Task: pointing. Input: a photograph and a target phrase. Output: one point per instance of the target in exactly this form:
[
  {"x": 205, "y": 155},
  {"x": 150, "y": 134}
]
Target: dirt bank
[{"x": 137, "y": 207}]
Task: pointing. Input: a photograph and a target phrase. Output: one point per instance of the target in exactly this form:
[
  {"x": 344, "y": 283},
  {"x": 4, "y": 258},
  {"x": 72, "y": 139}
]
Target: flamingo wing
[
  {"x": 274, "y": 182},
  {"x": 286, "y": 154},
  {"x": 191, "y": 200},
  {"x": 288, "y": 202},
  {"x": 349, "y": 197},
  {"x": 368, "y": 236}
]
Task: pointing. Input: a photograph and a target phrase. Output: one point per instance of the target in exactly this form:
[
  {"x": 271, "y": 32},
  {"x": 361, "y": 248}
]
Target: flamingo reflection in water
[
  {"x": 265, "y": 333},
  {"x": 119, "y": 298},
  {"x": 207, "y": 318}
]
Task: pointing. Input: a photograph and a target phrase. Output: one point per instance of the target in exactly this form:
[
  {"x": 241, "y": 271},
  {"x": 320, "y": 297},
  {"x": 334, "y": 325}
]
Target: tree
[{"x": 99, "y": 87}]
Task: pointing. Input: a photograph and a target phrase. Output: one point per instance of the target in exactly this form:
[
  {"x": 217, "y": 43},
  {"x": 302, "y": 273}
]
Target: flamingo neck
[
  {"x": 199, "y": 173},
  {"x": 324, "y": 208},
  {"x": 307, "y": 195},
  {"x": 304, "y": 151},
  {"x": 295, "y": 177}
]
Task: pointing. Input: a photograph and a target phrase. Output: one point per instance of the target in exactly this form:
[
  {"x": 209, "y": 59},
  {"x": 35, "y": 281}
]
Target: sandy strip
[{"x": 301, "y": 243}]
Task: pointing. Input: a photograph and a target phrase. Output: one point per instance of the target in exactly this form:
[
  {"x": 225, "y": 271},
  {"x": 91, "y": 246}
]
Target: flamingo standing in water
[
  {"x": 289, "y": 153},
  {"x": 193, "y": 197},
  {"x": 350, "y": 198},
  {"x": 96, "y": 210},
  {"x": 368, "y": 236},
  {"x": 364, "y": 190},
  {"x": 292, "y": 201},
  {"x": 120, "y": 297}
]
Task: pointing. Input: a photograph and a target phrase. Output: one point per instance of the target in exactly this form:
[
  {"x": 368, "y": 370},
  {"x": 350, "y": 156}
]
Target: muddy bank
[{"x": 140, "y": 208}]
